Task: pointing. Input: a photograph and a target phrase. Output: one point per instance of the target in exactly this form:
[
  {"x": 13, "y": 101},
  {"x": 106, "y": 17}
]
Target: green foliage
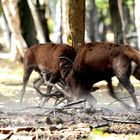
[
  {"x": 128, "y": 2},
  {"x": 102, "y": 133},
  {"x": 50, "y": 25},
  {"x": 103, "y": 9},
  {"x": 100, "y": 130},
  {"x": 97, "y": 131},
  {"x": 102, "y": 4}
]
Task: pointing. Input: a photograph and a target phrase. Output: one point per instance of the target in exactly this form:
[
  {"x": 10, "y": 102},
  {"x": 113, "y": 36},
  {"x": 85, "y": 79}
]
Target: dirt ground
[{"x": 31, "y": 122}]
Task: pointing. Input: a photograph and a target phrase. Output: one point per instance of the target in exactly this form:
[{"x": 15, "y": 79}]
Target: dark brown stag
[
  {"x": 101, "y": 61},
  {"x": 44, "y": 58}
]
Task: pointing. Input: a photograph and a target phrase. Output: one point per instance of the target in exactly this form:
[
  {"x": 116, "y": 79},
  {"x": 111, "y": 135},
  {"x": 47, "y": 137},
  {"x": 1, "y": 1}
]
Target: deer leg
[
  {"x": 125, "y": 81},
  {"x": 122, "y": 70},
  {"x": 112, "y": 94},
  {"x": 85, "y": 94},
  {"x": 91, "y": 101},
  {"x": 123, "y": 73},
  {"x": 136, "y": 72},
  {"x": 27, "y": 73}
]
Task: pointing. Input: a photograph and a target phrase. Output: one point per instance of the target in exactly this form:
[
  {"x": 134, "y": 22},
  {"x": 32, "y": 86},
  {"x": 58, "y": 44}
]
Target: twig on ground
[
  {"x": 120, "y": 99},
  {"x": 74, "y": 103},
  {"x": 120, "y": 120}
]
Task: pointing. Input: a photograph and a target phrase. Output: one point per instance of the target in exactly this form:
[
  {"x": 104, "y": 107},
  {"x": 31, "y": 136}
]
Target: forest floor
[{"x": 30, "y": 122}]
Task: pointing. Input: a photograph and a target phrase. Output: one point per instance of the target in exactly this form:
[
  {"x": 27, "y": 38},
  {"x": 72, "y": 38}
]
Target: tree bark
[{"x": 76, "y": 19}]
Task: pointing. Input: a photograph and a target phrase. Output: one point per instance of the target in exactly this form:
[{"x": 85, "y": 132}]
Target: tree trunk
[
  {"x": 43, "y": 20},
  {"x": 39, "y": 29},
  {"x": 130, "y": 28},
  {"x": 27, "y": 23},
  {"x": 64, "y": 21},
  {"x": 76, "y": 19},
  {"x": 6, "y": 32},
  {"x": 127, "y": 18},
  {"x": 116, "y": 21},
  {"x": 137, "y": 20},
  {"x": 92, "y": 33},
  {"x": 18, "y": 43}
]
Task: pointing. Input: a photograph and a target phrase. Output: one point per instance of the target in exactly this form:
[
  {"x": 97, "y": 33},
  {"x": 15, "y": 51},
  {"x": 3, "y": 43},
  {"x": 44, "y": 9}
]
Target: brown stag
[
  {"x": 101, "y": 61},
  {"x": 44, "y": 58}
]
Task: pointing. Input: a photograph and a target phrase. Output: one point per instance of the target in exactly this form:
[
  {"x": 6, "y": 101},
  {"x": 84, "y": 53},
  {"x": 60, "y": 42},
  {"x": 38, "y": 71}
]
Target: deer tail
[{"x": 132, "y": 53}]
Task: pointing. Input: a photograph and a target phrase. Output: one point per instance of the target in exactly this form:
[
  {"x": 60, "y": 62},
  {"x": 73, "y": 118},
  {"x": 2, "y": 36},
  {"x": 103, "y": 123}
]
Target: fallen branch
[
  {"x": 74, "y": 103},
  {"x": 120, "y": 120},
  {"x": 65, "y": 106}
]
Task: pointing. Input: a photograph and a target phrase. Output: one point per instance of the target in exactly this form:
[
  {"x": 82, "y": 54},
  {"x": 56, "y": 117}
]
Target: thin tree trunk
[
  {"x": 6, "y": 32},
  {"x": 43, "y": 20},
  {"x": 116, "y": 21},
  {"x": 127, "y": 18},
  {"x": 18, "y": 44},
  {"x": 64, "y": 21},
  {"x": 137, "y": 20},
  {"x": 92, "y": 33},
  {"x": 39, "y": 29},
  {"x": 122, "y": 19}
]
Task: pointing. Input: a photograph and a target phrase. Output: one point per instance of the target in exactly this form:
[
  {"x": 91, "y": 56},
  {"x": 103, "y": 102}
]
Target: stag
[
  {"x": 101, "y": 61},
  {"x": 45, "y": 59}
]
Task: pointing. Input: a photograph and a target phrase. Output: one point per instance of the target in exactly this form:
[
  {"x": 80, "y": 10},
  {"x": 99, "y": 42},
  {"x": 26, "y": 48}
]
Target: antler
[
  {"x": 57, "y": 87},
  {"x": 66, "y": 58}
]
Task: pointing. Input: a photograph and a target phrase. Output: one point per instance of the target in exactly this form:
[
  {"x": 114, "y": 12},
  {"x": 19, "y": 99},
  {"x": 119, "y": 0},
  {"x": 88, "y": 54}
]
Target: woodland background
[{"x": 26, "y": 22}]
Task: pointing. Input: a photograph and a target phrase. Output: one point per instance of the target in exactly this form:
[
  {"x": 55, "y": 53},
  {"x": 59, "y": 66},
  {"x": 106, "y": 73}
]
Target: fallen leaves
[{"x": 70, "y": 124}]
